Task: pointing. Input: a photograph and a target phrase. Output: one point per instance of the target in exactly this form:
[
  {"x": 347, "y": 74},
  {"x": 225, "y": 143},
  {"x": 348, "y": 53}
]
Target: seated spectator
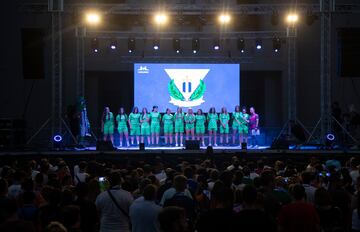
[
  {"x": 173, "y": 219},
  {"x": 220, "y": 217},
  {"x": 113, "y": 206},
  {"x": 251, "y": 218},
  {"x": 298, "y": 215},
  {"x": 144, "y": 214}
]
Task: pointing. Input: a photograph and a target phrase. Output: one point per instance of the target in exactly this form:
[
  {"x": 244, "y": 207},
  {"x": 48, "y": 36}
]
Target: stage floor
[{"x": 163, "y": 148}]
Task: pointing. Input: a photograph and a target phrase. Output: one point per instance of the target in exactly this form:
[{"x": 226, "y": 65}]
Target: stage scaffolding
[{"x": 325, "y": 9}]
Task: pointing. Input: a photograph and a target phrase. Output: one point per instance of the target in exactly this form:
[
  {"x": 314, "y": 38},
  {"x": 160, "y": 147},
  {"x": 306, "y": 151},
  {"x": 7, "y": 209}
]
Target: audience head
[
  {"x": 298, "y": 192},
  {"x": 150, "y": 192},
  {"x": 180, "y": 183}
]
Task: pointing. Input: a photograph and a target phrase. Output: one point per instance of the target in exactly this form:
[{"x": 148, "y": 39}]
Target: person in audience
[
  {"x": 298, "y": 215},
  {"x": 81, "y": 175},
  {"x": 173, "y": 219},
  {"x": 307, "y": 179},
  {"x": 144, "y": 213},
  {"x": 88, "y": 213},
  {"x": 113, "y": 206}
]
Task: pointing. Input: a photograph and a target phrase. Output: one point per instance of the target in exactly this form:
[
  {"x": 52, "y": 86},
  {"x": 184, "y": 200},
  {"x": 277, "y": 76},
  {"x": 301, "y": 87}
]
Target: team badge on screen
[{"x": 187, "y": 86}]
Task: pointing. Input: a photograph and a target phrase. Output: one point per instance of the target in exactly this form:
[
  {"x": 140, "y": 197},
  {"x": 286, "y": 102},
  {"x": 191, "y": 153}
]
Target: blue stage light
[{"x": 57, "y": 138}]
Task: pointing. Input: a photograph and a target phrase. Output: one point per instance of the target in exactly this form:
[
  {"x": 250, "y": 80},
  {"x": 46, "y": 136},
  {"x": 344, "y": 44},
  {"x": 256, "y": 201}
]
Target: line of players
[{"x": 147, "y": 125}]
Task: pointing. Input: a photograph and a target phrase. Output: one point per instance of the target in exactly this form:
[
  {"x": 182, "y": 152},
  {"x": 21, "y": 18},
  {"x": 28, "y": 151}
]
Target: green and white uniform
[
  {"x": 145, "y": 126},
  {"x": 244, "y": 125},
  {"x": 168, "y": 120},
  {"x": 189, "y": 121},
  {"x": 109, "y": 124},
  {"x": 212, "y": 118},
  {"x": 155, "y": 122},
  {"x": 179, "y": 122},
  {"x": 236, "y": 125},
  {"x": 200, "y": 124},
  {"x": 122, "y": 123},
  {"x": 135, "y": 123},
  {"x": 224, "y": 119}
]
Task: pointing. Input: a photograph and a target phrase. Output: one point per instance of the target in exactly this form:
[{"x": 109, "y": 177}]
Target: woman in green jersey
[
  {"x": 145, "y": 125},
  {"x": 212, "y": 118},
  {"x": 107, "y": 124},
  {"x": 179, "y": 126},
  {"x": 224, "y": 125},
  {"x": 121, "y": 120},
  {"x": 236, "y": 123},
  {"x": 134, "y": 122},
  {"x": 244, "y": 126},
  {"x": 155, "y": 118},
  {"x": 168, "y": 120},
  {"x": 200, "y": 126},
  {"x": 189, "y": 124}
]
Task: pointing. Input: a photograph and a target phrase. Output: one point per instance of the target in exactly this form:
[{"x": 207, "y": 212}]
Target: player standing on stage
[
  {"x": 145, "y": 125},
  {"x": 189, "y": 124},
  {"x": 155, "y": 118},
  {"x": 212, "y": 118},
  {"x": 121, "y": 120},
  {"x": 236, "y": 123},
  {"x": 200, "y": 126},
  {"x": 134, "y": 122},
  {"x": 244, "y": 126},
  {"x": 254, "y": 126},
  {"x": 224, "y": 125},
  {"x": 107, "y": 124},
  {"x": 168, "y": 120},
  {"x": 179, "y": 126}
]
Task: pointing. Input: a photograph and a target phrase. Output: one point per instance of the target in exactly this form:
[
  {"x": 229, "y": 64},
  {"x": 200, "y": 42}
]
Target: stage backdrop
[{"x": 186, "y": 85}]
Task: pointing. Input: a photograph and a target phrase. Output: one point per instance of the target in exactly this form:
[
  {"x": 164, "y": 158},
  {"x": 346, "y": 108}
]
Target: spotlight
[
  {"x": 57, "y": 141},
  {"x": 176, "y": 45},
  {"x": 292, "y": 18},
  {"x": 258, "y": 44},
  {"x": 160, "y": 19},
  {"x": 131, "y": 45},
  {"x": 329, "y": 140},
  {"x": 156, "y": 44},
  {"x": 241, "y": 45},
  {"x": 92, "y": 18},
  {"x": 224, "y": 18},
  {"x": 95, "y": 45},
  {"x": 216, "y": 44},
  {"x": 195, "y": 45},
  {"x": 113, "y": 44},
  {"x": 276, "y": 44},
  {"x": 330, "y": 137}
]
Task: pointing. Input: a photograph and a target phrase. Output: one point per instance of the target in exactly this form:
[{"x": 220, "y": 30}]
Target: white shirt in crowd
[
  {"x": 354, "y": 175},
  {"x": 310, "y": 193},
  {"x": 111, "y": 218},
  {"x": 144, "y": 216},
  {"x": 14, "y": 190},
  {"x": 80, "y": 177}
]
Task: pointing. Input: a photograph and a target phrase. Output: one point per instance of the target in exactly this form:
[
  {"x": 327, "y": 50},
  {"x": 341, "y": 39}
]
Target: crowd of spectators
[{"x": 237, "y": 195}]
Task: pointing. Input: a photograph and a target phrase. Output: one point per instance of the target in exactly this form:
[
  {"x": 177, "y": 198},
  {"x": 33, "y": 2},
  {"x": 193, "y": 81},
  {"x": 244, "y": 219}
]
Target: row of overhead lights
[
  {"x": 195, "y": 45},
  {"x": 94, "y": 18}
]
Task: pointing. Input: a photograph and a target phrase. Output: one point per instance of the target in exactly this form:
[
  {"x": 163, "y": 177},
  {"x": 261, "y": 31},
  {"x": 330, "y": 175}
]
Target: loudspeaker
[
  {"x": 280, "y": 143},
  {"x": 142, "y": 146},
  {"x": 104, "y": 146},
  {"x": 243, "y": 146},
  {"x": 192, "y": 145}
]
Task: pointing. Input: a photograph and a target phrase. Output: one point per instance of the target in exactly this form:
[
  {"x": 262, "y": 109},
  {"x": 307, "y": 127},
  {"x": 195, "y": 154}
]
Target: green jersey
[
  {"x": 236, "y": 116},
  {"x": 145, "y": 122},
  {"x": 134, "y": 119},
  {"x": 189, "y": 118},
  {"x": 200, "y": 120},
  {"x": 121, "y": 120},
  {"x": 155, "y": 117},
  {"x": 212, "y": 118},
  {"x": 109, "y": 118},
  {"x": 244, "y": 118},
  {"x": 224, "y": 118},
  {"x": 179, "y": 118},
  {"x": 168, "y": 119}
]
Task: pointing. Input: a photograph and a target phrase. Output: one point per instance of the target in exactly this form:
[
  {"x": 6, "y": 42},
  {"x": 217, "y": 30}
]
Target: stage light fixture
[
  {"x": 177, "y": 45},
  {"x": 195, "y": 45},
  {"x": 329, "y": 140},
  {"x": 92, "y": 18},
  {"x": 258, "y": 44},
  {"x": 113, "y": 44},
  {"x": 161, "y": 18},
  {"x": 131, "y": 45},
  {"x": 292, "y": 18},
  {"x": 276, "y": 44},
  {"x": 216, "y": 44},
  {"x": 156, "y": 44},
  {"x": 95, "y": 45},
  {"x": 241, "y": 45},
  {"x": 224, "y": 18},
  {"x": 57, "y": 141}
]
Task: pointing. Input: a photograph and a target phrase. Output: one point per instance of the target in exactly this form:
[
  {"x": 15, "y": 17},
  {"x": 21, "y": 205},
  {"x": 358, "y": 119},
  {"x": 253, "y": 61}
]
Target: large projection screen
[{"x": 186, "y": 85}]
